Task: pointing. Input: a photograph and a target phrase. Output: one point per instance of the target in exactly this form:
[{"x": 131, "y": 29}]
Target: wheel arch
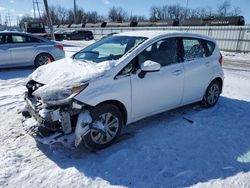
[
  {"x": 121, "y": 107},
  {"x": 40, "y": 53},
  {"x": 220, "y": 80}
]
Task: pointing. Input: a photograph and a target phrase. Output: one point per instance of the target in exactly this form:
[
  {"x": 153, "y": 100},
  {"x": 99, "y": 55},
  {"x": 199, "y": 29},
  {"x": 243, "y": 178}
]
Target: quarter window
[
  {"x": 211, "y": 47},
  {"x": 32, "y": 39},
  {"x": 193, "y": 49}
]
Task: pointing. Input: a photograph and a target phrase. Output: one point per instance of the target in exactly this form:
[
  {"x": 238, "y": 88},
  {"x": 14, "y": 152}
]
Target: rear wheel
[
  {"x": 106, "y": 126},
  {"x": 212, "y": 94},
  {"x": 43, "y": 59}
]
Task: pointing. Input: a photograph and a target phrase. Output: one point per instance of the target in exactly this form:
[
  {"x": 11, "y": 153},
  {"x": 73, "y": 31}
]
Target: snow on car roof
[{"x": 156, "y": 33}]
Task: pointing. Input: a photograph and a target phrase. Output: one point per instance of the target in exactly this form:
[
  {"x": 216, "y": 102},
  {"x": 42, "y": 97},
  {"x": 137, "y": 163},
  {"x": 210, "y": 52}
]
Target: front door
[
  {"x": 5, "y": 55},
  {"x": 162, "y": 90}
]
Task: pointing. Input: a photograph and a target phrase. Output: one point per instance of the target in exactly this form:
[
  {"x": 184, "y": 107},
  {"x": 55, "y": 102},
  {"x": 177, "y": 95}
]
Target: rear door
[
  {"x": 198, "y": 71},
  {"x": 5, "y": 56},
  {"x": 23, "y": 49}
]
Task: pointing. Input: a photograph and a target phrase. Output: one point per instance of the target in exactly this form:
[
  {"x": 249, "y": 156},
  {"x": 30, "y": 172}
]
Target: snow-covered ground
[
  {"x": 237, "y": 56},
  {"x": 166, "y": 150}
]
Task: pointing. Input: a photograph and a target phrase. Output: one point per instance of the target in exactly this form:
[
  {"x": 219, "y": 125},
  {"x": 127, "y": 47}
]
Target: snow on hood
[{"x": 60, "y": 76}]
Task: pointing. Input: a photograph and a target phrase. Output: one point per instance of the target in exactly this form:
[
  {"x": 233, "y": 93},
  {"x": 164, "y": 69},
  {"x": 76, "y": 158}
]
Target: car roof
[
  {"x": 24, "y": 33},
  {"x": 156, "y": 33},
  {"x": 11, "y": 32}
]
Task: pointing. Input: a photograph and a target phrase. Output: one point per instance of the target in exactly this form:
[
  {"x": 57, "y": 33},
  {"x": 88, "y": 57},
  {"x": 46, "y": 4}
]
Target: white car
[{"x": 121, "y": 79}]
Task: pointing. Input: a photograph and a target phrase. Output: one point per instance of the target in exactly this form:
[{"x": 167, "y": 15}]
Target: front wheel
[
  {"x": 107, "y": 122},
  {"x": 212, "y": 94}
]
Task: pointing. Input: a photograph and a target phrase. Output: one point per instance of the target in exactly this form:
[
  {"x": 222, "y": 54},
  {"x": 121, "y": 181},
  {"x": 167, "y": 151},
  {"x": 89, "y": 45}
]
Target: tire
[
  {"x": 212, "y": 94},
  {"x": 87, "y": 38},
  {"x": 43, "y": 59},
  {"x": 109, "y": 113}
]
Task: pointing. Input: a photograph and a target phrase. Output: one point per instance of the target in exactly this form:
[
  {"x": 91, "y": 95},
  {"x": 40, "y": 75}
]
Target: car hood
[
  {"x": 62, "y": 75},
  {"x": 68, "y": 71}
]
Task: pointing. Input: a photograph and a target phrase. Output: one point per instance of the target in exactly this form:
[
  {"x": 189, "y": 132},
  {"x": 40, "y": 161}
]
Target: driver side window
[{"x": 163, "y": 52}]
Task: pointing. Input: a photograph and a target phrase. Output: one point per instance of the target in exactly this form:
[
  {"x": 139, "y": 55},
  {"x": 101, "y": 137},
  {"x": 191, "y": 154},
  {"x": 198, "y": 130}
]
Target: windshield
[{"x": 110, "y": 48}]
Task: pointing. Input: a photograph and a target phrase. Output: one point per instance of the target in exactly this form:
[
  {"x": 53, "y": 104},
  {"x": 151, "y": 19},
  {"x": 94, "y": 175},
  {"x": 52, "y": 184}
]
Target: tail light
[
  {"x": 221, "y": 59},
  {"x": 59, "y": 46}
]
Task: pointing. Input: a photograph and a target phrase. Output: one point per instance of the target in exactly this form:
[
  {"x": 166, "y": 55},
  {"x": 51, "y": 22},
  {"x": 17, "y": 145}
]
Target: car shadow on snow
[
  {"x": 174, "y": 149},
  {"x": 13, "y": 73}
]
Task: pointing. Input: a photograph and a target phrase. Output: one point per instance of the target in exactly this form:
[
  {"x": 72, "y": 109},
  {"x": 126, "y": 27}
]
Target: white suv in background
[{"x": 121, "y": 79}]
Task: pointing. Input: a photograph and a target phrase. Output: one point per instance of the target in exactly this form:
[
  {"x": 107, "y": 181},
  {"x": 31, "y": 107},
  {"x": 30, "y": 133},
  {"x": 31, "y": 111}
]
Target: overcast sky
[{"x": 139, "y": 7}]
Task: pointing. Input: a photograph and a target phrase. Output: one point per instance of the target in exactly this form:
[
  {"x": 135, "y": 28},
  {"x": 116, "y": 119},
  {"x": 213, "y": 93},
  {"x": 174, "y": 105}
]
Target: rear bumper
[{"x": 59, "y": 54}]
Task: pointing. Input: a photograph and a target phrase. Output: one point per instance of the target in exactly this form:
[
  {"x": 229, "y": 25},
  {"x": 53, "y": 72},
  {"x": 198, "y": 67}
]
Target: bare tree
[
  {"x": 137, "y": 18},
  {"x": 154, "y": 13},
  {"x": 62, "y": 14},
  {"x": 223, "y": 8},
  {"x": 93, "y": 17},
  {"x": 236, "y": 11},
  {"x": 117, "y": 14}
]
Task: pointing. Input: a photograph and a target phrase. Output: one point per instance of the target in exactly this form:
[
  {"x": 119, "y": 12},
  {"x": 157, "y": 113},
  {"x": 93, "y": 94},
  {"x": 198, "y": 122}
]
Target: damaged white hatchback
[{"x": 121, "y": 79}]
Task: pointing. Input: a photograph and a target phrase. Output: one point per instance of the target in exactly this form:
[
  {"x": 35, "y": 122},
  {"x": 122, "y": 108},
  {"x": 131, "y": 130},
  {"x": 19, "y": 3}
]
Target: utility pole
[
  {"x": 75, "y": 11},
  {"x": 34, "y": 8},
  {"x": 49, "y": 19},
  {"x": 17, "y": 21},
  {"x": 186, "y": 9},
  {"x": 9, "y": 18},
  {"x": 37, "y": 5}
]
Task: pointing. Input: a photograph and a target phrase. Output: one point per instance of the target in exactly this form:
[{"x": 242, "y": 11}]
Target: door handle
[{"x": 177, "y": 72}]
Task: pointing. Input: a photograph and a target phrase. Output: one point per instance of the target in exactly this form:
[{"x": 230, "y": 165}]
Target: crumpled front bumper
[
  {"x": 51, "y": 118},
  {"x": 47, "y": 119}
]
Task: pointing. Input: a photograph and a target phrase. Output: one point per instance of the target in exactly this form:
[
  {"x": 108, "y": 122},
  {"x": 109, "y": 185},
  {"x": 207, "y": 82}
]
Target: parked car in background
[
  {"x": 80, "y": 35},
  {"x": 19, "y": 49},
  {"x": 122, "y": 79}
]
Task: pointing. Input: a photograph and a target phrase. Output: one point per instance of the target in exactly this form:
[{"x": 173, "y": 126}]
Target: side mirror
[{"x": 149, "y": 66}]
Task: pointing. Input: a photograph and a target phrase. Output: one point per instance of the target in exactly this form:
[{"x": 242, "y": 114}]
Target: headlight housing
[{"x": 78, "y": 89}]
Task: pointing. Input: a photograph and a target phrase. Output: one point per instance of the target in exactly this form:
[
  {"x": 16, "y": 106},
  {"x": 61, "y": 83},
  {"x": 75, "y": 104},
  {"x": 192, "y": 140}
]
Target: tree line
[{"x": 61, "y": 15}]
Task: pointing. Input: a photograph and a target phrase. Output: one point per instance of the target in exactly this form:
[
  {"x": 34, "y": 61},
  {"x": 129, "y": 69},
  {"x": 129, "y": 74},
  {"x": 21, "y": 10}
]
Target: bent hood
[
  {"x": 69, "y": 71},
  {"x": 61, "y": 75}
]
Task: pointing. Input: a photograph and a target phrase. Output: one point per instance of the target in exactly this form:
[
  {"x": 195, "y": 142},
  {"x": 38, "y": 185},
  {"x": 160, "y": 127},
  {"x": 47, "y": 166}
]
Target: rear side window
[
  {"x": 193, "y": 49},
  {"x": 88, "y": 32},
  {"x": 18, "y": 38},
  {"x": 211, "y": 47}
]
